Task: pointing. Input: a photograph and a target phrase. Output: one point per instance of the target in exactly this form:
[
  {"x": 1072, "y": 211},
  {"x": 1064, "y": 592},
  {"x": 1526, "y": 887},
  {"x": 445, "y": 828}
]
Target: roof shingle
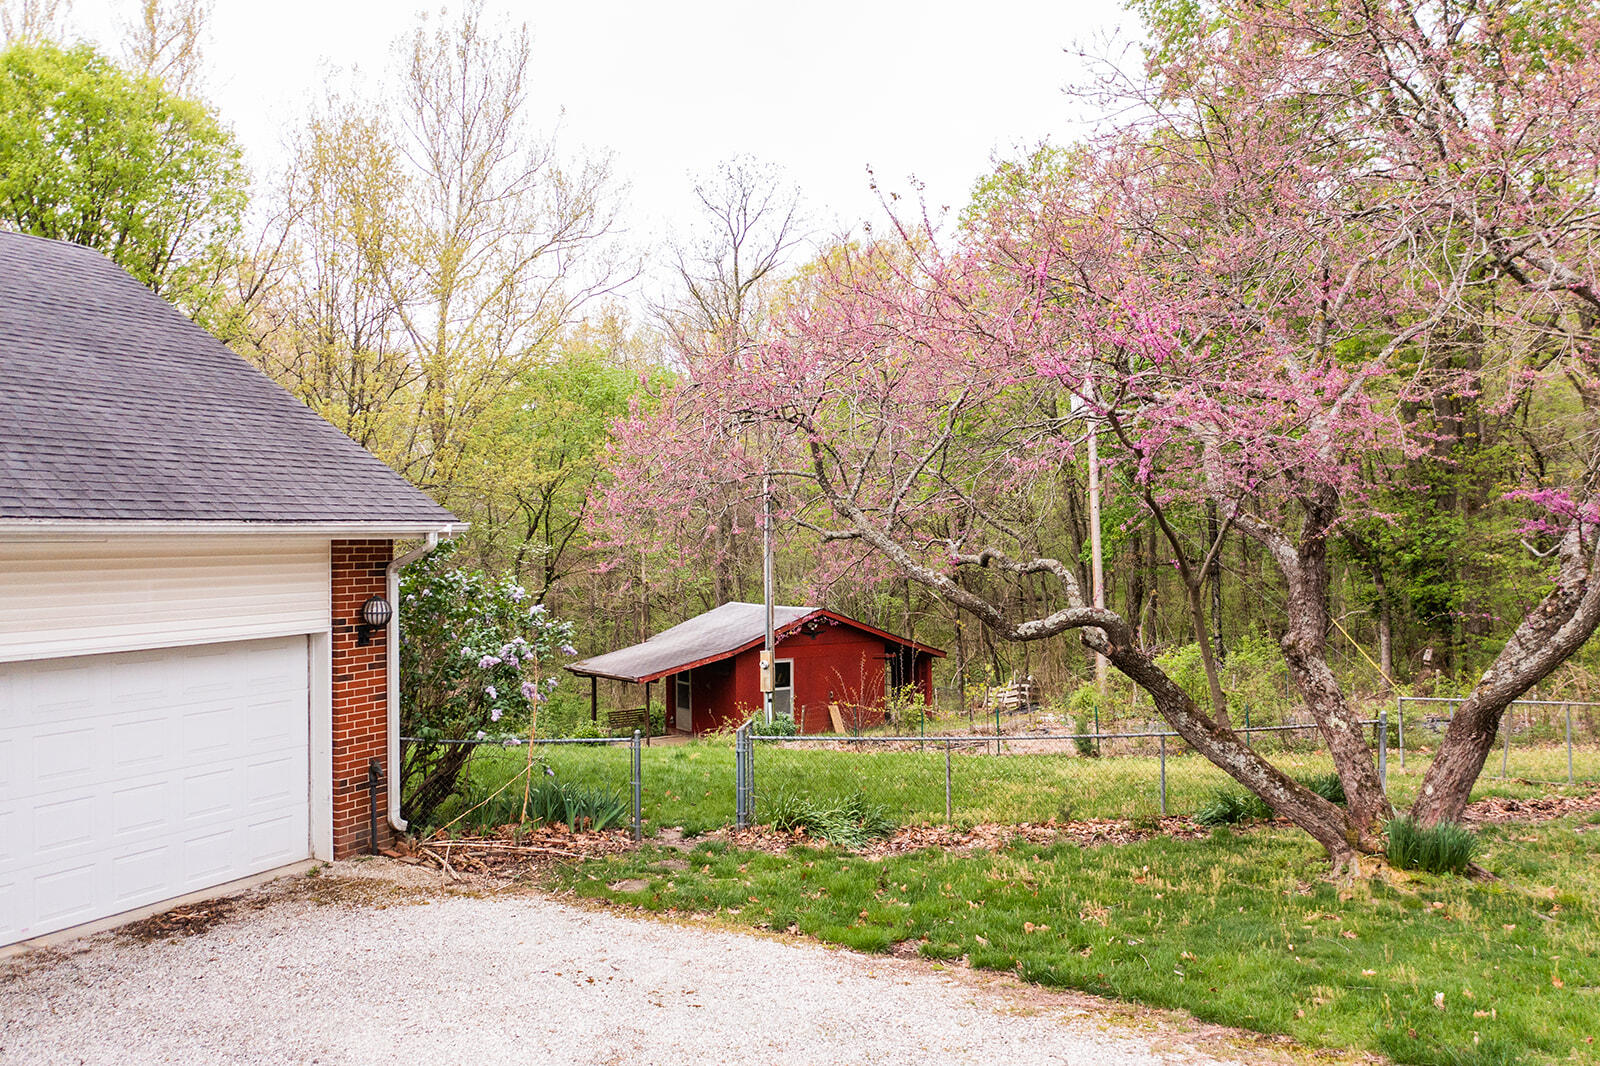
[{"x": 113, "y": 405}]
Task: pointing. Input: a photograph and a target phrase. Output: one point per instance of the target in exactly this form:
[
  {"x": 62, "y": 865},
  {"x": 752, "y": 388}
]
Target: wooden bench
[{"x": 623, "y": 723}]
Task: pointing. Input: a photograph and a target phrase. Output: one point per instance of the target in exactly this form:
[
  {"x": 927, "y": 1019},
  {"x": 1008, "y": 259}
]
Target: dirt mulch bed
[
  {"x": 508, "y": 852},
  {"x": 1089, "y": 833},
  {"x": 1497, "y": 810},
  {"x": 508, "y": 849}
]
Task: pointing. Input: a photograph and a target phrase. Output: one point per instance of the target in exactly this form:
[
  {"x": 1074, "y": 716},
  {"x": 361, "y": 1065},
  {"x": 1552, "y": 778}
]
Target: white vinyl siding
[{"x": 79, "y": 596}]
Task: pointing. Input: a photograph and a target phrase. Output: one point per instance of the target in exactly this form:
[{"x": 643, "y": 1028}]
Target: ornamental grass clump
[
  {"x": 1438, "y": 849},
  {"x": 1230, "y": 806},
  {"x": 551, "y": 802},
  {"x": 851, "y": 823}
]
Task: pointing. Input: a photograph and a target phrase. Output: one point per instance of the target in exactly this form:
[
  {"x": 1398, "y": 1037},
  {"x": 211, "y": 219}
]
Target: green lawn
[
  {"x": 1236, "y": 929},
  {"x": 691, "y": 785}
]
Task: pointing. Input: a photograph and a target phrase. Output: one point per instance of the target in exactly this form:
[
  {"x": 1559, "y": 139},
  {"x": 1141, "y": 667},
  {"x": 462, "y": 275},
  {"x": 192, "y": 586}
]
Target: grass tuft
[
  {"x": 578, "y": 807},
  {"x": 1230, "y": 806},
  {"x": 850, "y": 823},
  {"x": 1439, "y": 849}
]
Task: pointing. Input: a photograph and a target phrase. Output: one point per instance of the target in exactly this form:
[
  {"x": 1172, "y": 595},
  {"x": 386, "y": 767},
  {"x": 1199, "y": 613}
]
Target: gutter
[
  {"x": 392, "y": 669},
  {"x": 102, "y": 527}
]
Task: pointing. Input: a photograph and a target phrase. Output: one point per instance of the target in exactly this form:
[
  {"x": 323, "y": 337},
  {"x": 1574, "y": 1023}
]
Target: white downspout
[{"x": 392, "y": 671}]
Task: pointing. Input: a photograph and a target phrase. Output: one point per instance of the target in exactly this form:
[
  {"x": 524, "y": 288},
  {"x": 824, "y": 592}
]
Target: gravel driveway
[{"x": 340, "y": 970}]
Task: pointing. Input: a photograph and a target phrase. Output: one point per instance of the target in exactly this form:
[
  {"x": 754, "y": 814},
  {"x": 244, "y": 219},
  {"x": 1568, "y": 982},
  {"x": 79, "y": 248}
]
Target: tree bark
[{"x": 1304, "y": 565}]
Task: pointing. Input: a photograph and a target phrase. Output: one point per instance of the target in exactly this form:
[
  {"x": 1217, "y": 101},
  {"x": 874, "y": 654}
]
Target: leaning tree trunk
[
  {"x": 1324, "y": 821},
  {"x": 1550, "y": 633}
]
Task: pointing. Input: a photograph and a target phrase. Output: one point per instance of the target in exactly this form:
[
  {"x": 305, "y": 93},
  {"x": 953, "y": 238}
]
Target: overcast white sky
[{"x": 824, "y": 89}]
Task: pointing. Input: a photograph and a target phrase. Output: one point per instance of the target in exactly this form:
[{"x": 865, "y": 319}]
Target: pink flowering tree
[{"x": 1309, "y": 213}]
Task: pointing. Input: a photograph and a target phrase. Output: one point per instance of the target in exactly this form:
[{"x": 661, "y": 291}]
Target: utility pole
[
  {"x": 1097, "y": 561},
  {"x": 769, "y": 667}
]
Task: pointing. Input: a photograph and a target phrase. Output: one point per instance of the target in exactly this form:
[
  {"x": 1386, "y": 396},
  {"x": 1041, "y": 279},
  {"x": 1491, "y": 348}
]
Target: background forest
[{"x": 447, "y": 285}]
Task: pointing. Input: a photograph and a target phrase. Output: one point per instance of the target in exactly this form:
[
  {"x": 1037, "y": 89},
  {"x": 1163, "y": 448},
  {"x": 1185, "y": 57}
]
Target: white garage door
[{"x": 132, "y": 778}]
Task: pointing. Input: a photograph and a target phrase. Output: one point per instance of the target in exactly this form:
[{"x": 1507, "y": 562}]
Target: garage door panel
[
  {"x": 272, "y": 783},
  {"x": 140, "y": 742},
  {"x": 15, "y": 840},
  {"x": 64, "y": 758},
  {"x": 142, "y": 681},
  {"x": 139, "y": 875},
  {"x": 66, "y": 896},
  {"x": 210, "y": 732},
  {"x": 207, "y": 859},
  {"x": 274, "y": 841},
  {"x": 64, "y": 824},
  {"x": 173, "y": 771},
  {"x": 209, "y": 795},
  {"x": 142, "y": 809}
]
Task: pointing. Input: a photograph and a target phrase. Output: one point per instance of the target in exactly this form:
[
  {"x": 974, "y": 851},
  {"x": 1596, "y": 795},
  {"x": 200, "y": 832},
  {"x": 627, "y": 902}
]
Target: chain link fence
[
  {"x": 1140, "y": 771},
  {"x": 590, "y": 782},
  {"x": 1553, "y": 742},
  {"x": 970, "y": 779}
]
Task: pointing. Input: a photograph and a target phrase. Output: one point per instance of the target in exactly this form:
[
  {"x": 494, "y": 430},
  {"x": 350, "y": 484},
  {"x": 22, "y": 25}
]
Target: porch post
[{"x": 594, "y": 699}]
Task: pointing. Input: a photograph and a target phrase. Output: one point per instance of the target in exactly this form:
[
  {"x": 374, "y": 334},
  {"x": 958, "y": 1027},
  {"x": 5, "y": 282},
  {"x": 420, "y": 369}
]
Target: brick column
[{"x": 360, "y": 696}]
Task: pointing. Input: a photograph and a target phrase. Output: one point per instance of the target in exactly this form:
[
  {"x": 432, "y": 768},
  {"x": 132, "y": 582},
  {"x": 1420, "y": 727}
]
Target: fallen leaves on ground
[{"x": 1497, "y": 810}]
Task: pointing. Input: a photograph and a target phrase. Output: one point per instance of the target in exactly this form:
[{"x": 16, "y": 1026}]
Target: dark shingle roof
[{"x": 113, "y": 405}]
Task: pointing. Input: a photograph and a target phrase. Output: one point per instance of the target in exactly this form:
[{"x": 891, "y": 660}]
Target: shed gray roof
[
  {"x": 115, "y": 406},
  {"x": 717, "y": 633}
]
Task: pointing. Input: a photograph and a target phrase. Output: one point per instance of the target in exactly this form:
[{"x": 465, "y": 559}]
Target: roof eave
[{"x": 101, "y": 527}]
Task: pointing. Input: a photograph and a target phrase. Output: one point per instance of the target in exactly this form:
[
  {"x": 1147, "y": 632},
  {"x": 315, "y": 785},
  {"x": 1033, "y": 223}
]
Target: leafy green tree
[{"x": 92, "y": 154}]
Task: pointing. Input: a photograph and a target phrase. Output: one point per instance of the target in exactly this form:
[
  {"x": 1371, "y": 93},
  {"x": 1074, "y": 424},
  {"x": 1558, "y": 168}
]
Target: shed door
[
  {"x": 783, "y": 689},
  {"x": 683, "y": 703},
  {"x": 129, "y": 779}
]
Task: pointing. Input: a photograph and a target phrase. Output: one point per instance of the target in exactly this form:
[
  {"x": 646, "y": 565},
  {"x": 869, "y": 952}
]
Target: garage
[
  {"x": 197, "y": 581},
  {"x": 133, "y": 778}
]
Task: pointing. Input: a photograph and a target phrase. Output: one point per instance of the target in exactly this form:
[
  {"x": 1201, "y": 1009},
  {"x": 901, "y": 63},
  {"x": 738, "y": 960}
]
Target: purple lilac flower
[
  {"x": 491, "y": 692},
  {"x": 494, "y": 714},
  {"x": 518, "y": 594},
  {"x": 529, "y": 691},
  {"x": 568, "y": 649},
  {"x": 487, "y": 661}
]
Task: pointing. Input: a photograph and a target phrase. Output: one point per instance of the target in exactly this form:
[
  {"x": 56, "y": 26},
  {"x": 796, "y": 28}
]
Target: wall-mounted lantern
[{"x": 376, "y": 613}]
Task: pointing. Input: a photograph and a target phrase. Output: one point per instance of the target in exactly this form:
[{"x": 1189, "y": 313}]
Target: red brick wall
[{"x": 360, "y": 696}]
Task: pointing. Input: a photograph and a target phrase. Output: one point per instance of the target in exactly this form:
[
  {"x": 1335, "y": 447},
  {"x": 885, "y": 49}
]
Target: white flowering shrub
[{"x": 478, "y": 658}]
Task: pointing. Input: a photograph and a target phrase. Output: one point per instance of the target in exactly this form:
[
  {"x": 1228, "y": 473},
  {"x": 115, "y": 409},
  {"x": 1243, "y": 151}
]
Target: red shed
[{"x": 710, "y": 666}]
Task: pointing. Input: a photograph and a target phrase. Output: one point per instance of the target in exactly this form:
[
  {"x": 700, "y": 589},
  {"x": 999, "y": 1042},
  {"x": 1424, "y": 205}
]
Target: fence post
[
  {"x": 638, "y": 769},
  {"x": 1400, "y": 724},
  {"x": 738, "y": 776},
  {"x": 1163, "y": 775},
  {"x": 1568, "y": 709},
  {"x": 1247, "y": 725},
  {"x": 1505, "y": 753},
  {"x": 997, "y": 729},
  {"x": 1383, "y": 749},
  {"x": 947, "y": 781}
]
